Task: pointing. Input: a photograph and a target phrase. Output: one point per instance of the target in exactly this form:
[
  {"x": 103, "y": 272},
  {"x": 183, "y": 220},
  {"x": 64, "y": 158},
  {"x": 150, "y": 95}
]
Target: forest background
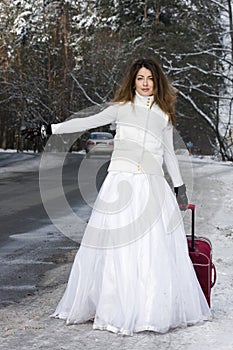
[{"x": 60, "y": 57}]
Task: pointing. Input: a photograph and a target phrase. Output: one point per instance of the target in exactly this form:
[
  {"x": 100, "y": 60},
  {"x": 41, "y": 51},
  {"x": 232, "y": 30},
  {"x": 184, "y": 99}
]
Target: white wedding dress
[{"x": 132, "y": 271}]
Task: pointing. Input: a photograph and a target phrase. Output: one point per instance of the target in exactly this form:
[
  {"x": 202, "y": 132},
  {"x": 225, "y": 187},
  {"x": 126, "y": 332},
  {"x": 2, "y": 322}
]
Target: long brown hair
[{"x": 164, "y": 93}]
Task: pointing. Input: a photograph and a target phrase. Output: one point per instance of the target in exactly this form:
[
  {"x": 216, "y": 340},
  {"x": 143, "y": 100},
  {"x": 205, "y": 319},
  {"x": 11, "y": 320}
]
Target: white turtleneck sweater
[{"x": 143, "y": 140}]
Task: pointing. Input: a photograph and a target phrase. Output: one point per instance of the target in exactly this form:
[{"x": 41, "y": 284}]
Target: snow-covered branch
[
  {"x": 200, "y": 112},
  {"x": 83, "y": 90}
]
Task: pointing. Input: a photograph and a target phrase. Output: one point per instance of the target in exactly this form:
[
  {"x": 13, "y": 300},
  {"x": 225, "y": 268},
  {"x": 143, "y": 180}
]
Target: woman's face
[{"x": 144, "y": 82}]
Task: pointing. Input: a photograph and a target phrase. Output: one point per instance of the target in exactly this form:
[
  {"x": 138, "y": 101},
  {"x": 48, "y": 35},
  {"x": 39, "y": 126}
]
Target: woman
[{"x": 132, "y": 271}]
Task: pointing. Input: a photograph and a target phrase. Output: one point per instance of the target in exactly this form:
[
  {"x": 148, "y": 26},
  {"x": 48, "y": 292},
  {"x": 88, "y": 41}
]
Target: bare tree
[{"x": 58, "y": 57}]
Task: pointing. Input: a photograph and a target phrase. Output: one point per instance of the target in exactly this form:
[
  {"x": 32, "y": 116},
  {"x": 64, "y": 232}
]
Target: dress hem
[{"x": 116, "y": 330}]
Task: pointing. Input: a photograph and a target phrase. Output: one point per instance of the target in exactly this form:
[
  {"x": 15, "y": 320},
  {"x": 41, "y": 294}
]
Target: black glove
[
  {"x": 45, "y": 131},
  {"x": 181, "y": 197}
]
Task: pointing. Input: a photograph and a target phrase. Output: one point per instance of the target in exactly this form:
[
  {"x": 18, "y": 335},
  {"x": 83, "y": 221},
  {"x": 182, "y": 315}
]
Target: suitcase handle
[
  {"x": 215, "y": 276},
  {"x": 192, "y": 207}
]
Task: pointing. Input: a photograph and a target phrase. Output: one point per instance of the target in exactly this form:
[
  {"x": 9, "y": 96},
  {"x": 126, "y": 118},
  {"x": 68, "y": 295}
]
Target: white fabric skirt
[{"x": 132, "y": 271}]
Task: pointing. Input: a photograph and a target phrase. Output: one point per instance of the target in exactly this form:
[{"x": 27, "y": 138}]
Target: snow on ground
[
  {"x": 26, "y": 325},
  {"x": 12, "y": 161}
]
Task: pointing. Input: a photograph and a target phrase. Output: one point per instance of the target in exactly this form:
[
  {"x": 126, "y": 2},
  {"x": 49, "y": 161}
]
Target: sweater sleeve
[
  {"x": 170, "y": 159},
  {"x": 107, "y": 116}
]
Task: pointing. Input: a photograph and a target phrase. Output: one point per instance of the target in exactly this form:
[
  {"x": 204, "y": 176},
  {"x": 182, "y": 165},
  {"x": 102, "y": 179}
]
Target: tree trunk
[{"x": 230, "y": 25}]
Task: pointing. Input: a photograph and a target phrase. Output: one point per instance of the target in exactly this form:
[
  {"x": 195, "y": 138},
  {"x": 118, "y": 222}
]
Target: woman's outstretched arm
[{"x": 107, "y": 116}]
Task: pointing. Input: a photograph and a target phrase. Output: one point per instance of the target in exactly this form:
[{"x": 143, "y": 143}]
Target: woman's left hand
[{"x": 181, "y": 196}]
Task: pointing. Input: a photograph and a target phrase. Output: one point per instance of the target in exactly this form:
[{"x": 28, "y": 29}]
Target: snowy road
[
  {"x": 28, "y": 239},
  {"x": 26, "y": 325}
]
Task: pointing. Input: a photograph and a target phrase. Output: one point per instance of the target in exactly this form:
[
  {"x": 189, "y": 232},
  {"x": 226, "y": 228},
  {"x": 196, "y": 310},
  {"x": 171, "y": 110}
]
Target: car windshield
[{"x": 101, "y": 136}]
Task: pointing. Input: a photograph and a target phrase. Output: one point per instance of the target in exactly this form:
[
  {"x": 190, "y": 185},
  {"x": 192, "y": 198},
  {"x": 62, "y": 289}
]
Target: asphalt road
[{"x": 29, "y": 242}]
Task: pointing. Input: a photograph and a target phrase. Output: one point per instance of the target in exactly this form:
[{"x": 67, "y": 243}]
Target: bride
[{"x": 132, "y": 271}]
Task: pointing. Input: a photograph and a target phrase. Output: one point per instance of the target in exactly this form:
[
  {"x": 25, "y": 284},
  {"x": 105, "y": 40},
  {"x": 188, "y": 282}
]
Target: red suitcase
[{"x": 200, "y": 252}]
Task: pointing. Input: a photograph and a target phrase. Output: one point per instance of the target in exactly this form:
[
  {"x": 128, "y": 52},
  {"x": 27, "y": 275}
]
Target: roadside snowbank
[{"x": 12, "y": 161}]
